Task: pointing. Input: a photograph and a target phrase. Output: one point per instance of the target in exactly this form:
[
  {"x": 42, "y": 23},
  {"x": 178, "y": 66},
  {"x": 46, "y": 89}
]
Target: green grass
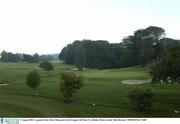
[{"x": 102, "y": 87}]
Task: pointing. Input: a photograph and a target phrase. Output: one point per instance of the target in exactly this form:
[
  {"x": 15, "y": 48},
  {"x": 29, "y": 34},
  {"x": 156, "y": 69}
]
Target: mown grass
[{"x": 102, "y": 88}]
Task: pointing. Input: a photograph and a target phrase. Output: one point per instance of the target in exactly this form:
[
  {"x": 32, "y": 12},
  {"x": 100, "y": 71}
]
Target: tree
[
  {"x": 10, "y": 57},
  {"x": 117, "y": 52},
  {"x": 141, "y": 100},
  {"x": 80, "y": 59},
  {"x": 129, "y": 55},
  {"x": 4, "y": 56},
  {"x": 70, "y": 82},
  {"x": 144, "y": 37},
  {"x": 14, "y": 57},
  {"x": 91, "y": 54},
  {"x": 156, "y": 34},
  {"x": 35, "y": 58},
  {"x": 168, "y": 68},
  {"x": 68, "y": 54},
  {"x": 27, "y": 58},
  {"x": 166, "y": 44},
  {"x": 46, "y": 65},
  {"x": 33, "y": 80},
  {"x": 149, "y": 39}
]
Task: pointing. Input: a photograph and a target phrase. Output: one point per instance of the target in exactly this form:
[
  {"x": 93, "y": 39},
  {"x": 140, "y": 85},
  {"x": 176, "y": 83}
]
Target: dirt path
[{"x": 136, "y": 81}]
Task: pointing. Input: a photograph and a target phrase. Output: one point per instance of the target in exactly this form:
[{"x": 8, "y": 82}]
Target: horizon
[{"x": 46, "y": 26}]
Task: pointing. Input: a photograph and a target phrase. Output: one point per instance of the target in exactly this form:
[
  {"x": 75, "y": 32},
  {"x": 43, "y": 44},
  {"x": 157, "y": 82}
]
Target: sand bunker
[
  {"x": 3, "y": 83},
  {"x": 136, "y": 81}
]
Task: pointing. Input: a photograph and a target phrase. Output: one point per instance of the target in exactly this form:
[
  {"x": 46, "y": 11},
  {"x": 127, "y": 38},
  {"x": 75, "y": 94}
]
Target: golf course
[{"x": 102, "y": 95}]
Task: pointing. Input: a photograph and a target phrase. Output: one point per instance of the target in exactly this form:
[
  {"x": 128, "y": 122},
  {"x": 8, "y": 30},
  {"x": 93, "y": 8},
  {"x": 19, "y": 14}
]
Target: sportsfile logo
[{"x": 9, "y": 121}]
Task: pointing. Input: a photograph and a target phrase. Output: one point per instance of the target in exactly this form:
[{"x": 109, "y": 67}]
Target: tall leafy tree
[
  {"x": 70, "y": 82},
  {"x": 149, "y": 39},
  {"x": 80, "y": 57},
  {"x": 4, "y": 56},
  {"x": 33, "y": 80},
  {"x": 35, "y": 58},
  {"x": 130, "y": 52},
  {"x": 168, "y": 68},
  {"x": 27, "y": 58},
  {"x": 156, "y": 34},
  {"x": 145, "y": 45}
]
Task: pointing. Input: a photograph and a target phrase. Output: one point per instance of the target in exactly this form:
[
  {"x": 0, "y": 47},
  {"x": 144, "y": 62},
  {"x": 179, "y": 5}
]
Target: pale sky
[{"x": 46, "y": 26}]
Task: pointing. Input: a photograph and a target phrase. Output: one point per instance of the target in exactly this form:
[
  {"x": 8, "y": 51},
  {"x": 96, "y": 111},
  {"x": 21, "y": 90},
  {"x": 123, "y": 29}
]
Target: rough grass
[{"x": 103, "y": 94}]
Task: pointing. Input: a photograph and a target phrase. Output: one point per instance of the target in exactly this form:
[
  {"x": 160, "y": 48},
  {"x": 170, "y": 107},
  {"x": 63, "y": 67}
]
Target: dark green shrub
[
  {"x": 168, "y": 68},
  {"x": 46, "y": 65},
  {"x": 33, "y": 80},
  {"x": 141, "y": 100},
  {"x": 70, "y": 82}
]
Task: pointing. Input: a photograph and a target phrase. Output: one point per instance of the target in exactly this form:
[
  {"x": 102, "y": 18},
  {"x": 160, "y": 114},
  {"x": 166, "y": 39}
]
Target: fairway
[{"x": 103, "y": 94}]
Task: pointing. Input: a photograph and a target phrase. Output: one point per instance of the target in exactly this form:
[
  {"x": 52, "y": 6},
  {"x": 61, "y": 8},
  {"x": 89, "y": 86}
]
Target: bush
[
  {"x": 141, "y": 100},
  {"x": 70, "y": 82},
  {"x": 33, "y": 80},
  {"x": 168, "y": 68},
  {"x": 47, "y": 66}
]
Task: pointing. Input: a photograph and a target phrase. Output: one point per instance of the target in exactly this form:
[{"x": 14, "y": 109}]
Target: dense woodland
[{"x": 146, "y": 45}]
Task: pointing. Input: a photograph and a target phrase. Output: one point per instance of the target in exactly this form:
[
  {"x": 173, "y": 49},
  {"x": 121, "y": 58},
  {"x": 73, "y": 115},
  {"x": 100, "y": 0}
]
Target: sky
[{"x": 46, "y": 26}]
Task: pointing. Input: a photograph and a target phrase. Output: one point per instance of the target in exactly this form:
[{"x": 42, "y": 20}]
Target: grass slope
[{"x": 102, "y": 88}]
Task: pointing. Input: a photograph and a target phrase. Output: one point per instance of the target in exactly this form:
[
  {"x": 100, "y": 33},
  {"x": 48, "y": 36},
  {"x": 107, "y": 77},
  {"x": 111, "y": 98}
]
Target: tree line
[
  {"x": 18, "y": 57},
  {"x": 144, "y": 46}
]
